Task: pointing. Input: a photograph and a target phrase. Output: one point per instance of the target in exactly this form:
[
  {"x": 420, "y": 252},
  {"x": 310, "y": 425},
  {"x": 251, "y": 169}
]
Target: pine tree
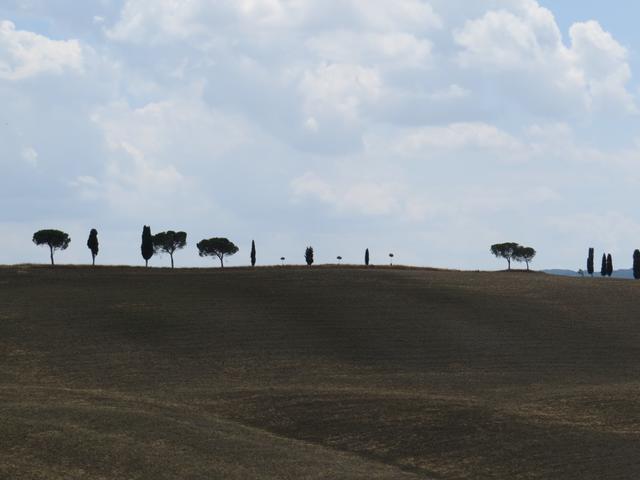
[
  {"x": 609, "y": 265},
  {"x": 636, "y": 264},
  {"x": 146, "y": 248},
  {"x": 603, "y": 268},
  {"x": 366, "y": 257},
  {"x": 590, "y": 262},
  {"x": 253, "y": 253}
]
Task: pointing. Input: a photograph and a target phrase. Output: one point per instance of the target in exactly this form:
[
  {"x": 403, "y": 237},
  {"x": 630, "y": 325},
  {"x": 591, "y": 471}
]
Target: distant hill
[
  {"x": 626, "y": 274},
  {"x": 306, "y": 373}
]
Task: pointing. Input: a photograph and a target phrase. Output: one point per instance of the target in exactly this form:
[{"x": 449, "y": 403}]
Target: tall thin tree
[
  {"x": 636, "y": 264},
  {"x": 603, "y": 268},
  {"x": 93, "y": 245},
  {"x": 590, "y": 261},
  {"x": 366, "y": 257},
  {"x": 609, "y": 265},
  {"x": 253, "y": 253},
  {"x": 308, "y": 256},
  {"x": 146, "y": 248}
]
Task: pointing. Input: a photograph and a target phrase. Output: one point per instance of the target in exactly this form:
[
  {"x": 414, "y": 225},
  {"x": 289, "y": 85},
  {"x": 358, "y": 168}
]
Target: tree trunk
[
  {"x": 51, "y": 254},
  {"x": 94, "y": 260},
  {"x": 527, "y": 266},
  {"x": 221, "y": 262},
  {"x": 171, "y": 255},
  {"x": 146, "y": 263},
  {"x": 509, "y": 262}
]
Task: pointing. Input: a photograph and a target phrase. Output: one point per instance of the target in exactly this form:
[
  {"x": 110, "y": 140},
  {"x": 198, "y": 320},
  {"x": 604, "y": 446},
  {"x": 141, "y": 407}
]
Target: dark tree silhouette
[
  {"x": 169, "y": 242},
  {"x": 603, "y": 268},
  {"x": 366, "y": 257},
  {"x": 93, "y": 245},
  {"x": 282, "y": 259},
  {"x": 253, "y": 253},
  {"x": 146, "y": 248},
  {"x": 391, "y": 256},
  {"x": 308, "y": 256},
  {"x": 609, "y": 265},
  {"x": 590, "y": 261},
  {"x": 339, "y": 259},
  {"x": 54, "y": 239},
  {"x": 217, "y": 247},
  {"x": 524, "y": 254},
  {"x": 505, "y": 250},
  {"x": 636, "y": 264}
]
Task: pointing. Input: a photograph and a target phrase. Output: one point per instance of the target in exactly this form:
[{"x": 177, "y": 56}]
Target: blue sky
[{"x": 430, "y": 129}]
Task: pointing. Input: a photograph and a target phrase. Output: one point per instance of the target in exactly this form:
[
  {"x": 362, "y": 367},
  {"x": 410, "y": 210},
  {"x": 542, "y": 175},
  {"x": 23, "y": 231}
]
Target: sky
[{"x": 429, "y": 129}]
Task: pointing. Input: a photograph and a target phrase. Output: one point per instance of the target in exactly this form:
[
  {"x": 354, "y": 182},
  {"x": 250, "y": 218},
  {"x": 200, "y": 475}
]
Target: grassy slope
[{"x": 316, "y": 373}]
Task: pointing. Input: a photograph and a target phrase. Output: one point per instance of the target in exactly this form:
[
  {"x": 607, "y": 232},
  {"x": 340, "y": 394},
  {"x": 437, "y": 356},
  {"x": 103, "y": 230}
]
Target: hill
[{"x": 335, "y": 373}]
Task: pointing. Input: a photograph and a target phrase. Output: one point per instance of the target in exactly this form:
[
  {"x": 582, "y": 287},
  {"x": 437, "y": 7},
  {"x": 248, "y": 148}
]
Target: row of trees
[
  {"x": 165, "y": 242},
  {"x": 606, "y": 268},
  {"x": 511, "y": 251}
]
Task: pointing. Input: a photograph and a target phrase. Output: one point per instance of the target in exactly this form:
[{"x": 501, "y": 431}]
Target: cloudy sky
[{"x": 427, "y": 128}]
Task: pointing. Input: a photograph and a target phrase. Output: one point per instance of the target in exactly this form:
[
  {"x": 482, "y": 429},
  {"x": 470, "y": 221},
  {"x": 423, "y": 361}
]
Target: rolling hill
[{"x": 316, "y": 373}]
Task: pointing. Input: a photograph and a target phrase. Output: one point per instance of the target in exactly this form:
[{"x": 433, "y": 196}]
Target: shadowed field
[{"x": 323, "y": 373}]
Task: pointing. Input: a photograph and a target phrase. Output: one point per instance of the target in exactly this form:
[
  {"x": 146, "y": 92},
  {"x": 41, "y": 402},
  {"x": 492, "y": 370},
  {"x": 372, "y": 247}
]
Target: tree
[
  {"x": 603, "y": 268},
  {"x": 391, "y": 255},
  {"x": 217, "y": 247},
  {"x": 339, "y": 258},
  {"x": 609, "y": 265},
  {"x": 253, "y": 253},
  {"x": 308, "y": 256},
  {"x": 636, "y": 264},
  {"x": 505, "y": 250},
  {"x": 93, "y": 245},
  {"x": 366, "y": 257},
  {"x": 590, "y": 262},
  {"x": 146, "y": 248},
  {"x": 524, "y": 254},
  {"x": 282, "y": 259},
  {"x": 169, "y": 242},
  {"x": 54, "y": 239}
]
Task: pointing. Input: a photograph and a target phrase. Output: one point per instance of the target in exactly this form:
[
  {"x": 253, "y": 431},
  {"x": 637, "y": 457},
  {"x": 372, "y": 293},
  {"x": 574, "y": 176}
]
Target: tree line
[
  {"x": 606, "y": 267},
  {"x": 164, "y": 242}
]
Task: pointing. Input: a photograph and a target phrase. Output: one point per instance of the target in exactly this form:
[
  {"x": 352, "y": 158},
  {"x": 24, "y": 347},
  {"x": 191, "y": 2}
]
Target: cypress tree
[
  {"x": 590, "y": 262},
  {"x": 253, "y": 253},
  {"x": 146, "y": 248},
  {"x": 308, "y": 256},
  {"x": 92, "y": 244},
  {"x": 609, "y": 265},
  {"x": 636, "y": 264},
  {"x": 366, "y": 257},
  {"x": 603, "y": 268}
]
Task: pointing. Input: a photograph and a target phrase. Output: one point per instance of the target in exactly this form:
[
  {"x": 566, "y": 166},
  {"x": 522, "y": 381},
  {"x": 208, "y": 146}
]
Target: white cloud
[
  {"x": 26, "y": 54},
  {"x": 458, "y": 136},
  {"x": 528, "y": 41},
  {"x": 30, "y": 156}
]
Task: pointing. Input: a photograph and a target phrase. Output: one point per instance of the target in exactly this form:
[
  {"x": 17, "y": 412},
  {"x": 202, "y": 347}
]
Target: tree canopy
[
  {"x": 505, "y": 250},
  {"x": 524, "y": 254},
  {"x": 366, "y": 257},
  {"x": 93, "y": 245},
  {"x": 169, "y": 242},
  {"x": 217, "y": 247},
  {"x": 54, "y": 239}
]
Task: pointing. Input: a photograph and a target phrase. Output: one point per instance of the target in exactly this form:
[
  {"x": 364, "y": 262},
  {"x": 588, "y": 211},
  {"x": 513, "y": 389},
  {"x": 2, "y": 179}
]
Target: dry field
[{"x": 321, "y": 373}]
